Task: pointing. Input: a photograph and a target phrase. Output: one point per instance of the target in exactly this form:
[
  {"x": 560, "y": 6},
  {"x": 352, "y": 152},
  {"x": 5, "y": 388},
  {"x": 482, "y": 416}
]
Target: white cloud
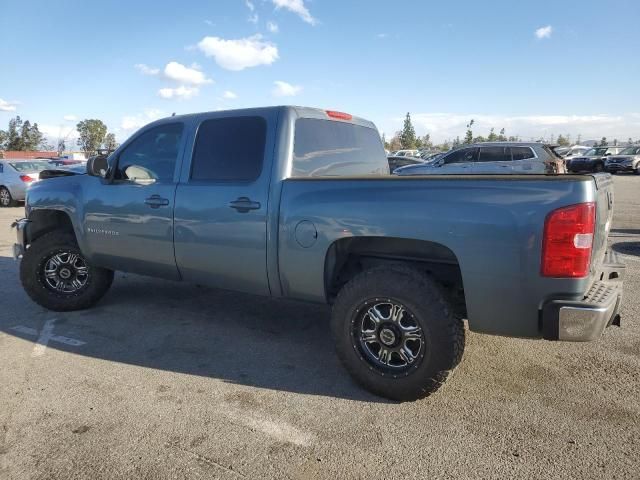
[
  {"x": 241, "y": 53},
  {"x": 70, "y": 118},
  {"x": 382, "y": 35},
  {"x": 250, "y": 5},
  {"x": 181, "y": 92},
  {"x": 273, "y": 27},
  {"x": 443, "y": 126},
  {"x": 284, "y": 89},
  {"x": 229, "y": 95},
  {"x": 146, "y": 69},
  {"x": 6, "y": 106},
  {"x": 544, "y": 32},
  {"x": 209, "y": 22},
  {"x": 187, "y": 76},
  {"x": 133, "y": 122},
  {"x": 298, "y": 7},
  {"x": 253, "y": 19}
]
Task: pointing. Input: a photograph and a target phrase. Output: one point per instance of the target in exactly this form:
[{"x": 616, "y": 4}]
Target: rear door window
[
  {"x": 332, "y": 148},
  {"x": 494, "y": 154},
  {"x": 229, "y": 149},
  {"x": 522, "y": 153}
]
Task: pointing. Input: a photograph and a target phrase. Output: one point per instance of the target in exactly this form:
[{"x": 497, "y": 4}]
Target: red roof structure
[{"x": 26, "y": 155}]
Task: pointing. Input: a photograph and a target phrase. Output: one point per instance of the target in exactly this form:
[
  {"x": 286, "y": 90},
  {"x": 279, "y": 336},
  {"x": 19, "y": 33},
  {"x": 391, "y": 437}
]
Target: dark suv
[
  {"x": 593, "y": 160},
  {"x": 492, "y": 158}
]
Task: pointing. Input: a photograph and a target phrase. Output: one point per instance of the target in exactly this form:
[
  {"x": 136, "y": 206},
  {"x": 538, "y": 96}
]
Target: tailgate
[{"x": 604, "y": 217}]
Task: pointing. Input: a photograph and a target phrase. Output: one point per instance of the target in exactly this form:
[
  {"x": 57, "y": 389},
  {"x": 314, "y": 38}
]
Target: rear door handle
[
  {"x": 244, "y": 204},
  {"x": 156, "y": 201}
]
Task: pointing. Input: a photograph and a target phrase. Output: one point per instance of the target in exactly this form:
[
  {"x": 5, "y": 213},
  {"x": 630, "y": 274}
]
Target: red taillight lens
[
  {"x": 339, "y": 115},
  {"x": 567, "y": 241},
  {"x": 26, "y": 178}
]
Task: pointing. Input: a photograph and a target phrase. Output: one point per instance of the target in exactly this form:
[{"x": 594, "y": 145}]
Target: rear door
[
  {"x": 494, "y": 160},
  {"x": 221, "y": 203}
]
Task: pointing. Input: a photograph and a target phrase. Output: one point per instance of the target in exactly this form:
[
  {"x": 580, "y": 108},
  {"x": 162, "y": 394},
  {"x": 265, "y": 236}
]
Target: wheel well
[
  {"x": 45, "y": 221},
  {"x": 349, "y": 256}
]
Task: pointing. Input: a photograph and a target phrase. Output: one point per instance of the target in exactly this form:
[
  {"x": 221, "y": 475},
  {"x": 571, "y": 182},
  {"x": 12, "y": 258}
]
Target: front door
[
  {"x": 221, "y": 203},
  {"x": 129, "y": 221}
]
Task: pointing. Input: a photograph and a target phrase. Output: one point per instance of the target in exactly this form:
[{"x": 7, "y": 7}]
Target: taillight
[
  {"x": 567, "y": 241},
  {"x": 339, "y": 115},
  {"x": 26, "y": 178}
]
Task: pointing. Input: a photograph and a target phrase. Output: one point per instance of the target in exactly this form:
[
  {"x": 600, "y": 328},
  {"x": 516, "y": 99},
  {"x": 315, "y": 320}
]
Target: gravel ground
[{"x": 169, "y": 380}]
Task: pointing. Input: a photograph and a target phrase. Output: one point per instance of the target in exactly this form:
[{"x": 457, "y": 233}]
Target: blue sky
[{"x": 533, "y": 67}]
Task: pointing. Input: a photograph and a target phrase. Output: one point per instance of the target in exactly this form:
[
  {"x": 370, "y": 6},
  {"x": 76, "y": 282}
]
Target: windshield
[
  {"x": 631, "y": 151},
  {"x": 35, "y": 166},
  {"x": 594, "y": 152}
]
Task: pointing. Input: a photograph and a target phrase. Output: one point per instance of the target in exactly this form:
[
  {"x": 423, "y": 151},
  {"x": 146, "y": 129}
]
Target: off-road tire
[
  {"x": 33, "y": 280},
  {"x": 420, "y": 294}
]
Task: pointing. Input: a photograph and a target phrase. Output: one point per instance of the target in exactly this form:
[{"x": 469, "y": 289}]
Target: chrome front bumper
[
  {"x": 20, "y": 245},
  {"x": 585, "y": 320}
]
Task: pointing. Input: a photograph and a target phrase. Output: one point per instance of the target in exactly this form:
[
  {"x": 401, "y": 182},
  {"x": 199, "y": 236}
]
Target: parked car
[
  {"x": 405, "y": 153},
  {"x": 16, "y": 176},
  {"x": 307, "y": 210},
  {"x": 592, "y": 160},
  {"x": 575, "y": 151},
  {"x": 628, "y": 160},
  {"x": 492, "y": 158},
  {"x": 397, "y": 162}
]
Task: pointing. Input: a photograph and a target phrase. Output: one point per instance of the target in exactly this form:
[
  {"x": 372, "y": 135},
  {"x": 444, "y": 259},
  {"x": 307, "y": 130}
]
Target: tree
[
  {"x": 603, "y": 142},
  {"x": 91, "y": 133},
  {"x": 32, "y": 137},
  {"x": 384, "y": 142},
  {"x": 492, "y": 137},
  {"x": 502, "y": 137},
  {"x": 468, "y": 138},
  {"x": 562, "y": 141},
  {"x": 14, "y": 139},
  {"x": 395, "y": 143},
  {"x": 426, "y": 141},
  {"x": 110, "y": 142},
  {"x": 3, "y": 139},
  {"x": 629, "y": 142},
  {"x": 456, "y": 143},
  {"x": 408, "y": 134}
]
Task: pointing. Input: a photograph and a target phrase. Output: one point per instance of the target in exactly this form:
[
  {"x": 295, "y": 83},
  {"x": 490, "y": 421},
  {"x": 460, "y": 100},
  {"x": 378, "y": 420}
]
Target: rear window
[
  {"x": 494, "y": 154},
  {"x": 522, "y": 153},
  {"x": 37, "y": 166},
  {"x": 229, "y": 149},
  {"x": 329, "y": 148}
]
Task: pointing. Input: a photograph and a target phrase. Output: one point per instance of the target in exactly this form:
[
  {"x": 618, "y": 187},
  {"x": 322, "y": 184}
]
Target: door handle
[
  {"x": 244, "y": 204},
  {"x": 156, "y": 201}
]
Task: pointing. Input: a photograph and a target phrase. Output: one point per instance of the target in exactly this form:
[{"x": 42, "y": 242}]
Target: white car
[
  {"x": 16, "y": 176},
  {"x": 405, "y": 153}
]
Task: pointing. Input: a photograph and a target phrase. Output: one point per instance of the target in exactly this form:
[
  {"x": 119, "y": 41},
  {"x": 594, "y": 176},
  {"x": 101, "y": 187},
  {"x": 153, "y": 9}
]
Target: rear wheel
[
  {"x": 395, "y": 333},
  {"x": 6, "y": 200},
  {"x": 55, "y": 274}
]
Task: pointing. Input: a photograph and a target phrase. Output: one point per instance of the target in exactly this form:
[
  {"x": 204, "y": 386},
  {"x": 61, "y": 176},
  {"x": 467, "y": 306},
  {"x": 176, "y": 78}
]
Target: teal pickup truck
[{"x": 299, "y": 203}]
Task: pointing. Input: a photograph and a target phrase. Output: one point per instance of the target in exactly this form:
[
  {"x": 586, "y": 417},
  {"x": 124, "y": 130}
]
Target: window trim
[
  {"x": 111, "y": 175},
  {"x": 190, "y": 180},
  {"x": 475, "y": 158},
  {"x": 507, "y": 155}
]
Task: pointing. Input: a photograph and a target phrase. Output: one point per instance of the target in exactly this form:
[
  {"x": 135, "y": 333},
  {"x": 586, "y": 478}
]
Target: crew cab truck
[{"x": 299, "y": 203}]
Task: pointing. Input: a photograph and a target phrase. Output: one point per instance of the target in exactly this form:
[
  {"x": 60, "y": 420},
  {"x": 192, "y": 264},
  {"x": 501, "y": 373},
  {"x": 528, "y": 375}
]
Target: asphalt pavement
[{"x": 172, "y": 380}]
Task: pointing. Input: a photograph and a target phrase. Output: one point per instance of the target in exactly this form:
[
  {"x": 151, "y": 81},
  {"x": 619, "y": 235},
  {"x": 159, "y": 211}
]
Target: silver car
[
  {"x": 628, "y": 160},
  {"x": 16, "y": 176},
  {"x": 492, "y": 158}
]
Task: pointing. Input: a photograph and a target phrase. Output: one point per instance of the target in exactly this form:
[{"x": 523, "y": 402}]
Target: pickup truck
[{"x": 306, "y": 209}]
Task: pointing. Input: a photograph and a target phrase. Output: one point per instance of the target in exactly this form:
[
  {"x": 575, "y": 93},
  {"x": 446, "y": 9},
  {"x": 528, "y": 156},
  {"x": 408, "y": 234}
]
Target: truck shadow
[
  {"x": 180, "y": 327},
  {"x": 627, "y": 248}
]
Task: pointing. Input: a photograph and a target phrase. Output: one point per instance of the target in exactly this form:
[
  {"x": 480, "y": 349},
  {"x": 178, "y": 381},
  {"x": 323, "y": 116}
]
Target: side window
[
  {"x": 521, "y": 153},
  {"x": 1, "y": 167},
  {"x": 494, "y": 154},
  {"x": 464, "y": 155},
  {"x": 229, "y": 149},
  {"x": 152, "y": 156}
]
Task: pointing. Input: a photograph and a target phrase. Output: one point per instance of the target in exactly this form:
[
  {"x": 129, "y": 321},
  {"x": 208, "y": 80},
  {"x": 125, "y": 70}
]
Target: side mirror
[{"x": 97, "y": 166}]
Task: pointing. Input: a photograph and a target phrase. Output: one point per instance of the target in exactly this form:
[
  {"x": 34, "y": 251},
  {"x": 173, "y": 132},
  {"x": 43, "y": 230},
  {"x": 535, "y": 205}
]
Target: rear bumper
[{"x": 585, "y": 320}]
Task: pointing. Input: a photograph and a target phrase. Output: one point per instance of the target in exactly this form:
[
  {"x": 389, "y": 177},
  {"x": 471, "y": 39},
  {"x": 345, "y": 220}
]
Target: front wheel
[
  {"x": 55, "y": 274},
  {"x": 395, "y": 333}
]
